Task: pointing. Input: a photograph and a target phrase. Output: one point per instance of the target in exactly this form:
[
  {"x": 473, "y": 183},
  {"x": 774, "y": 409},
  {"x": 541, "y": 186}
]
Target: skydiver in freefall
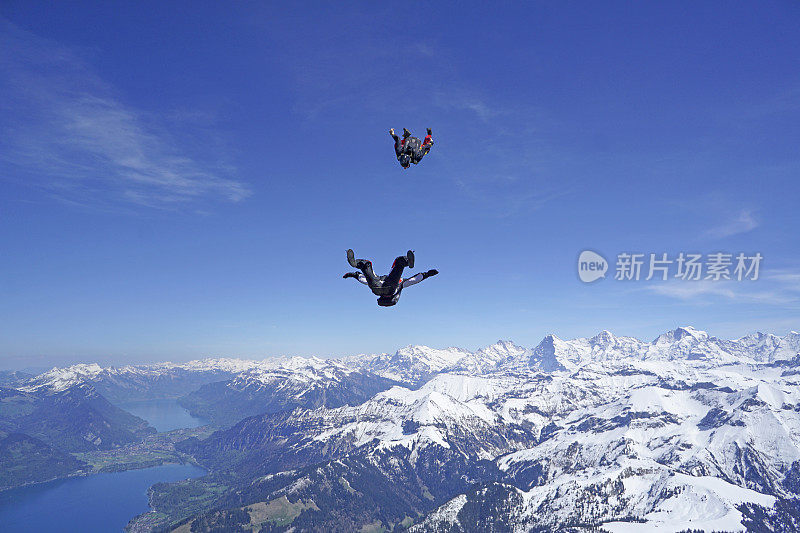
[
  {"x": 410, "y": 149},
  {"x": 387, "y": 288}
]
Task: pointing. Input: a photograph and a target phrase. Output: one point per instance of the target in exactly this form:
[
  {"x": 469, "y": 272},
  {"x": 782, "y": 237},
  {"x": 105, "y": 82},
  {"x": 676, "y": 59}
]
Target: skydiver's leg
[
  {"x": 398, "y": 146},
  {"x": 404, "y": 143},
  {"x": 365, "y": 266},
  {"x": 393, "y": 279},
  {"x": 392, "y": 283},
  {"x": 407, "y": 148}
]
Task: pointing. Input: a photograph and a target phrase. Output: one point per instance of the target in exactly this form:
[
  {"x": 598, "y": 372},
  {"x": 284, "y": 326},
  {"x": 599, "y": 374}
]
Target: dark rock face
[
  {"x": 227, "y": 402},
  {"x": 24, "y": 459},
  {"x": 715, "y": 418},
  {"x": 792, "y": 480},
  {"x": 76, "y": 419}
]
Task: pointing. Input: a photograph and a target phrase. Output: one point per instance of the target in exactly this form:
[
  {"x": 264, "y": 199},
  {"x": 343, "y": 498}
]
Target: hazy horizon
[{"x": 106, "y": 362}]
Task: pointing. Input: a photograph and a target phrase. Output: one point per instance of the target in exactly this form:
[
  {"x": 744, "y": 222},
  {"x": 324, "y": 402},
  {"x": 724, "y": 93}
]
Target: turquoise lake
[
  {"x": 164, "y": 415},
  {"x": 100, "y": 502}
]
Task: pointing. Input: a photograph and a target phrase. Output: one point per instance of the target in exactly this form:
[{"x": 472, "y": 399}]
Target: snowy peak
[
  {"x": 788, "y": 347},
  {"x": 60, "y": 379},
  {"x": 221, "y": 364},
  {"x": 502, "y": 350},
  {"x": 687, "y": 343},
  {"x": 680, "y": 335},
  {"x": 443, "y": 413},
  {"x": 434, "y": 359},
  {"x": 767, "y": 347},
  {"x": 605, "y": 339},
  {"x": 297, "y": 369},
  {"x": 500, "y": 354},
  {"x": 551, "y": 354},
  {"x": 414, "y": 364}
]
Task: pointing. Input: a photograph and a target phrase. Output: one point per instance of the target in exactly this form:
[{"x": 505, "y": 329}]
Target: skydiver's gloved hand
[
  {"x": 429, "y": 273},
  {"x": 350, "y": 275}
]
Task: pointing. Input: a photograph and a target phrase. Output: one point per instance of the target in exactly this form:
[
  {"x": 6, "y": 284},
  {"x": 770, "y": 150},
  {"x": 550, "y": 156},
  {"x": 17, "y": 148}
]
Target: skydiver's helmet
[
  {"x": 405, "y": 160},
  {"x": 388, "y": 301}
]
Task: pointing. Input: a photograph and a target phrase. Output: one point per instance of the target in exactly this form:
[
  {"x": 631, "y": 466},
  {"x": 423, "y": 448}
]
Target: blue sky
[{"x": 182, "y": 180}]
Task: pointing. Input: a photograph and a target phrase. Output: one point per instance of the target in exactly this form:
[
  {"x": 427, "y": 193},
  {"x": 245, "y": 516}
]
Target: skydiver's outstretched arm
[
  {"x": 361, "y": 278},
  {"x": 413, "y": 280}
]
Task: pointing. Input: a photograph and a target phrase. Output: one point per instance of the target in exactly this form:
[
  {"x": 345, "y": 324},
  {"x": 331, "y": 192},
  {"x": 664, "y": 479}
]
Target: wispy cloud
[
  {"x": 781, "y": 288},
  {"x": 466, "y": 102},
  {"x": 67, "y": 130},
  {"x": 719, "y": 215},
  {"x": 691, "y": 290},
  {"x": 788, "y": 279},
  {"x": 741, "y": 222}
]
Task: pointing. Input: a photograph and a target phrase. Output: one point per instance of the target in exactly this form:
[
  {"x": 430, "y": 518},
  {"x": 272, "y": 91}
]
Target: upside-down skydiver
[
  {"x": 410, "y": 149},
  {"x": 387, "y": 288}
]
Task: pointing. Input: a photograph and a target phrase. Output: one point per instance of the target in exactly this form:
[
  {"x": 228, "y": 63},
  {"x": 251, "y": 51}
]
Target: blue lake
[
  {"x": 164, "y": 415},
  {"x": 100, "y": 502},
  {"x": 97, "y": 503}
]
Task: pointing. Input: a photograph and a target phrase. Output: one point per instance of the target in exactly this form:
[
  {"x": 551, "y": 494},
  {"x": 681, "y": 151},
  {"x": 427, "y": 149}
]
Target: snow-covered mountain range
[
  {"x": 414, "y": 364},
  {"x": 687, "y": 431}
]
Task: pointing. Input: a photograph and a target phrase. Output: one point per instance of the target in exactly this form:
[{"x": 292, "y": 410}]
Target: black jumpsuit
[
  {"x": 388, "y": 288},
  {"x": 400, "y": 150}
]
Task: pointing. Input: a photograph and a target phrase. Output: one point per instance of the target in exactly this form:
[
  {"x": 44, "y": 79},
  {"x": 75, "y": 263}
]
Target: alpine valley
[{"x": 688, "y": 432}]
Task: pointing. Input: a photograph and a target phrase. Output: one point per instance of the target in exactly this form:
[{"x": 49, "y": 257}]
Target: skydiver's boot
[
  {"x": 406, "y": 133},
  {"x": 429, "y": 132},
  {"x": 351, "y": 258},
  {"x": 410, "y": 258},
  {"x": 356, "y": 263}
]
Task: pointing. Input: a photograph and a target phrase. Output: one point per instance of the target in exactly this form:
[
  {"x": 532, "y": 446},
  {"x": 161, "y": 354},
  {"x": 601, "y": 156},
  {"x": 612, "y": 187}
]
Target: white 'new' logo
[{"x": 591, "y": 266}]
